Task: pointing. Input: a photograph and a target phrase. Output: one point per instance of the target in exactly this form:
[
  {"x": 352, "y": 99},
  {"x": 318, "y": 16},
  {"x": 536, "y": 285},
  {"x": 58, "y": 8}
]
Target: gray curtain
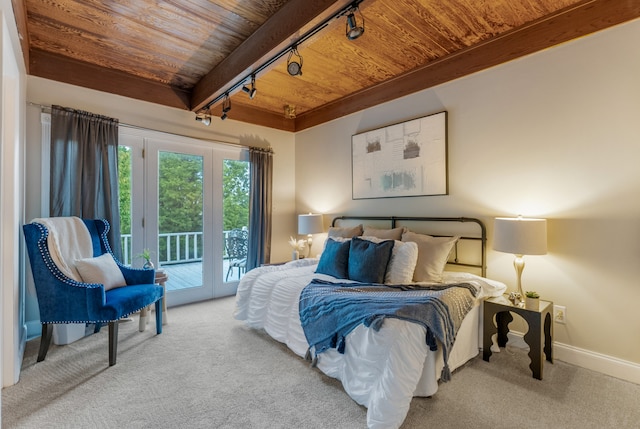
[
  {"x": 260, "y": 195},
  {"x": 84, "y": 168}
]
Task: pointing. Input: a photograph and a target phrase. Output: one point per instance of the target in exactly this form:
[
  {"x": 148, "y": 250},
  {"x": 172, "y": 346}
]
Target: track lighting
[
  {"x": 205, "y": 119},
  {"x": 353, "y": 29},
  {"x": 251, "y": 91},
  {"x": 294, "y": 67},
  {"x": 226, "y": 106}
]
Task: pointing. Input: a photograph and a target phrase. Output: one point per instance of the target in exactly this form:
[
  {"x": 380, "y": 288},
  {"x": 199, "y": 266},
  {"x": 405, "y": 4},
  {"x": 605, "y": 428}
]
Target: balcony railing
[{"x": 175, "y": 248}]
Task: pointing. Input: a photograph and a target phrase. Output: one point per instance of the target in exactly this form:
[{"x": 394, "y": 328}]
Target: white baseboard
[{"x": 594, "y": 361}]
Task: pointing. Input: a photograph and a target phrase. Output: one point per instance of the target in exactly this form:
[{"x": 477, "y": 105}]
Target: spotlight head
[
  {"x": 226, "y": 106},
  {"x": 294, "y": 68},
  {"x": 205, "y": 119},
  {"x": 353, "y": 30},
  {"x": 251, "y": 91}
]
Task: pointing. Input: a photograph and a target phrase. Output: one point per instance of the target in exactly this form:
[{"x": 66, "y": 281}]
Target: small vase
[
  {"x": 531, "y": 303},
  {"x": 295, "y": 255},
  {"x": 148, "y": 265}
]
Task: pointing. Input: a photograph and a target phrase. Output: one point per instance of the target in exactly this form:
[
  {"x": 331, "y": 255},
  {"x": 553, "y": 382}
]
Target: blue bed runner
[{"x": 330, "y": 311}]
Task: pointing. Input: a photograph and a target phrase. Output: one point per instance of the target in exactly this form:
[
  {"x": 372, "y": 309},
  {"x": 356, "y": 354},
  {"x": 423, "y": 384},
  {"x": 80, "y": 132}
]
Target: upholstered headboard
[{"x": 469, "y": 253}]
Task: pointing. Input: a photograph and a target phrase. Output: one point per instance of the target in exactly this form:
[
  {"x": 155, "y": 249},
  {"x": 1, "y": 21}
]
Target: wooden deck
[{"x": 189, "y": 274}]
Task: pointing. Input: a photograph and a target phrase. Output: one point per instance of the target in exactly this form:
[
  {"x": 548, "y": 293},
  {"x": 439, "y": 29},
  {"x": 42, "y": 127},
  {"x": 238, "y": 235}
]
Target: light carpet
[{"x": 208, "y": 370}]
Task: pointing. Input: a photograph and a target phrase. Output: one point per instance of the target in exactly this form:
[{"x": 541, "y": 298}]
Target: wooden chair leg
[
  {"x": 113, "y": 342},
  {"x": 45, "y": 340}
]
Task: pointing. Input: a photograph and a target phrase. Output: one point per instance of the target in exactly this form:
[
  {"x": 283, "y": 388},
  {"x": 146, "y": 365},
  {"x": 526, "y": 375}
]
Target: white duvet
[{"x": 381, "y": 370}]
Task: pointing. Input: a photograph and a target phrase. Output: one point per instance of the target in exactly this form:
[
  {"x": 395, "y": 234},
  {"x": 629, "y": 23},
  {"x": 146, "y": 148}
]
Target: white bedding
[{"x": 381, "y": 370}]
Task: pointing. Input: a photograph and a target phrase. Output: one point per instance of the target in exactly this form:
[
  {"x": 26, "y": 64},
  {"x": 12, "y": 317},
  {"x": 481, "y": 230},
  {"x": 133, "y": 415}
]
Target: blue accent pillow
[
  {"x": 335, "y": 259},
  {"x": 368, "y": 260}
]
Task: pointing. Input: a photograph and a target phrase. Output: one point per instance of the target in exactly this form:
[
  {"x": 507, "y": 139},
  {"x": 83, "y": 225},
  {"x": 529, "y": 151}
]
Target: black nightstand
[{"x": 539, "y": 337}]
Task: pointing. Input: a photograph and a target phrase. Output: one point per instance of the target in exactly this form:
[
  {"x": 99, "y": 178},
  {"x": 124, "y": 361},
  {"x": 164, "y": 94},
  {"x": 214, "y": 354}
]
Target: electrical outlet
[{"x": 560, "y": 314}]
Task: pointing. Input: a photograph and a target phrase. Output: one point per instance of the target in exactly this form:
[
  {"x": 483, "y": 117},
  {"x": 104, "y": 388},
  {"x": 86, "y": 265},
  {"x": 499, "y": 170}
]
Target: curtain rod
[{"x": 47, "y": 109}]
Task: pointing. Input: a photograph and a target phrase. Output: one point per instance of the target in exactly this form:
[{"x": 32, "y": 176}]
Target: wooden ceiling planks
[{"x": 185, "y": 53}]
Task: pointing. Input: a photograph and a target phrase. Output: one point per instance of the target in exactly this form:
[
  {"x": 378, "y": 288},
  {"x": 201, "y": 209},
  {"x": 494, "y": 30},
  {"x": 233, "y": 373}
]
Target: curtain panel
[
  {"x": 260, "y": 216},
  {"x": 84, "y": 168}
]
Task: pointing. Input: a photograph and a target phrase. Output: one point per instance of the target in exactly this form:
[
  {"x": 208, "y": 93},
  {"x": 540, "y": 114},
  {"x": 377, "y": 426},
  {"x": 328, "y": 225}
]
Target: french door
[{"x": 177, "y": 194}]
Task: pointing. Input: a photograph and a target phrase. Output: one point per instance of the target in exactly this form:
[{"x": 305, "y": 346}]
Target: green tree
[
  {"x": 124, "y": 185},
  {"x": 235, "y": 194},
  {"x": 180, "y": 197}
]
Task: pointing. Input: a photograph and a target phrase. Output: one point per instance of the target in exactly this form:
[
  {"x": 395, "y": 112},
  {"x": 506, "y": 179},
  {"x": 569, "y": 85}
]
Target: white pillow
[
  {"x": 102, "y": 270},
  {"x": 401, "y": 263},
  {"x": 433, "y": 254}
]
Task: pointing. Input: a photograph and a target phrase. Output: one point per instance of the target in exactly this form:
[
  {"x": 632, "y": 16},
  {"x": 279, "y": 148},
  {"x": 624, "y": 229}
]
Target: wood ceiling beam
[
  {"x": 285, "y": 26},
  {"x": 64, "y": 69},
  {"x": 571, "y": 23}
]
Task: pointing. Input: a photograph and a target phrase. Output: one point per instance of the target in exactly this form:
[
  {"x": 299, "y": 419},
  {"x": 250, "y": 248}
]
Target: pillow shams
[
  {"x": 368, "y": 260},
  {"x": 102, "y": 269},
  {"x": 335, "y": 258},
  {"x": 433, "y": 254},
  {"x": 387, "y": 234},
  {"x": 346, "y": 232}
]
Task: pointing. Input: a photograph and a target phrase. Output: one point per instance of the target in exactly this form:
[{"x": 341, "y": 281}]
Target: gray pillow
[{"x": 368, "y": 260}]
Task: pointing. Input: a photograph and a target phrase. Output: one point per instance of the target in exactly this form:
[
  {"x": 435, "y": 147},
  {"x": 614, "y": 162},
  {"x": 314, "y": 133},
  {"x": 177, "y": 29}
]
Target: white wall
[{"x": 556, "y": 135}]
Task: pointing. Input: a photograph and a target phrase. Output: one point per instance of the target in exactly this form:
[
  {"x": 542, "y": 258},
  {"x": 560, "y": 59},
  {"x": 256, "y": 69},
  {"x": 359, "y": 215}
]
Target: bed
[{"x": 381, "y": 367}]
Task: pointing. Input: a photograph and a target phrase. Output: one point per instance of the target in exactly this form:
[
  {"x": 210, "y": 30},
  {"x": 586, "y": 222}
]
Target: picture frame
[{"x": 407, "y": 159}]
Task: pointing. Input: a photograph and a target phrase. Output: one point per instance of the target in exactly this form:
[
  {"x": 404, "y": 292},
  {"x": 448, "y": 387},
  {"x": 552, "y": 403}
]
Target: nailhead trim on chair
[{"x": 107, "y": 246}]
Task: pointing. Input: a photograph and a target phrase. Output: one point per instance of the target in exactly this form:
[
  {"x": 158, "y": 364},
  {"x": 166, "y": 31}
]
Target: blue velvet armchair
[{"x": 62, "y": 299}]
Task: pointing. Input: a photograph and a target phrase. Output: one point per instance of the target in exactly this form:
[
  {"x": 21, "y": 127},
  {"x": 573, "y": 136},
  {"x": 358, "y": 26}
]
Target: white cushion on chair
[{"x": 102, "y": 269}]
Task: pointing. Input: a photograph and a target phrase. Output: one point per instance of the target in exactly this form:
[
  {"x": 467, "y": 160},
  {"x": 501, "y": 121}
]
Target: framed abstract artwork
[{"x": 408, "y": 159}]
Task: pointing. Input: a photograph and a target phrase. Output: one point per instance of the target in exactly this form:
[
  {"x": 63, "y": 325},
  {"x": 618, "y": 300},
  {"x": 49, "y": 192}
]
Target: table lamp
[
  {"x": 520, "y": 236},
  {"x": 310, "y": 224}
]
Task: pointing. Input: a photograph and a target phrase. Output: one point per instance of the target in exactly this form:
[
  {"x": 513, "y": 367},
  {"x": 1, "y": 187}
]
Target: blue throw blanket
[{"x": 329, "y": 311}]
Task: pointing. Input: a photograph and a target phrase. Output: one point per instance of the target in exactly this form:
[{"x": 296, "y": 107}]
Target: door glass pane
[
  {"x": 235, "y": 191},
  {"x": 124, "y": 188},
  {"x": 180, "y": 214}
]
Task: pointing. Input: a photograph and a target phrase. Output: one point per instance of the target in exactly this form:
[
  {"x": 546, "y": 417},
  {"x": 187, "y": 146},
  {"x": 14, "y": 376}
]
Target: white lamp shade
[
  {"x": 520, "y": 236},
  {"x": 310, "y": 224}
]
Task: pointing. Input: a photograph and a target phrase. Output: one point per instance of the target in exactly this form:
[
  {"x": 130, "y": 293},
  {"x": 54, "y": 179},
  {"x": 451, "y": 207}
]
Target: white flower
[{"x": 296, "y": 244}]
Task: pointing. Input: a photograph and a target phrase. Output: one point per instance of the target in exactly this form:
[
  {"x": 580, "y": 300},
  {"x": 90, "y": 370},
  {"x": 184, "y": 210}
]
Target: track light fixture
[
  {"x": 204, "y": 118},
  {"x": 353, "y": 29},
  {"x": 294, "y": 67},
  {"x": 251, "y": 91},
  {"x": 226, "y": 106}
]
